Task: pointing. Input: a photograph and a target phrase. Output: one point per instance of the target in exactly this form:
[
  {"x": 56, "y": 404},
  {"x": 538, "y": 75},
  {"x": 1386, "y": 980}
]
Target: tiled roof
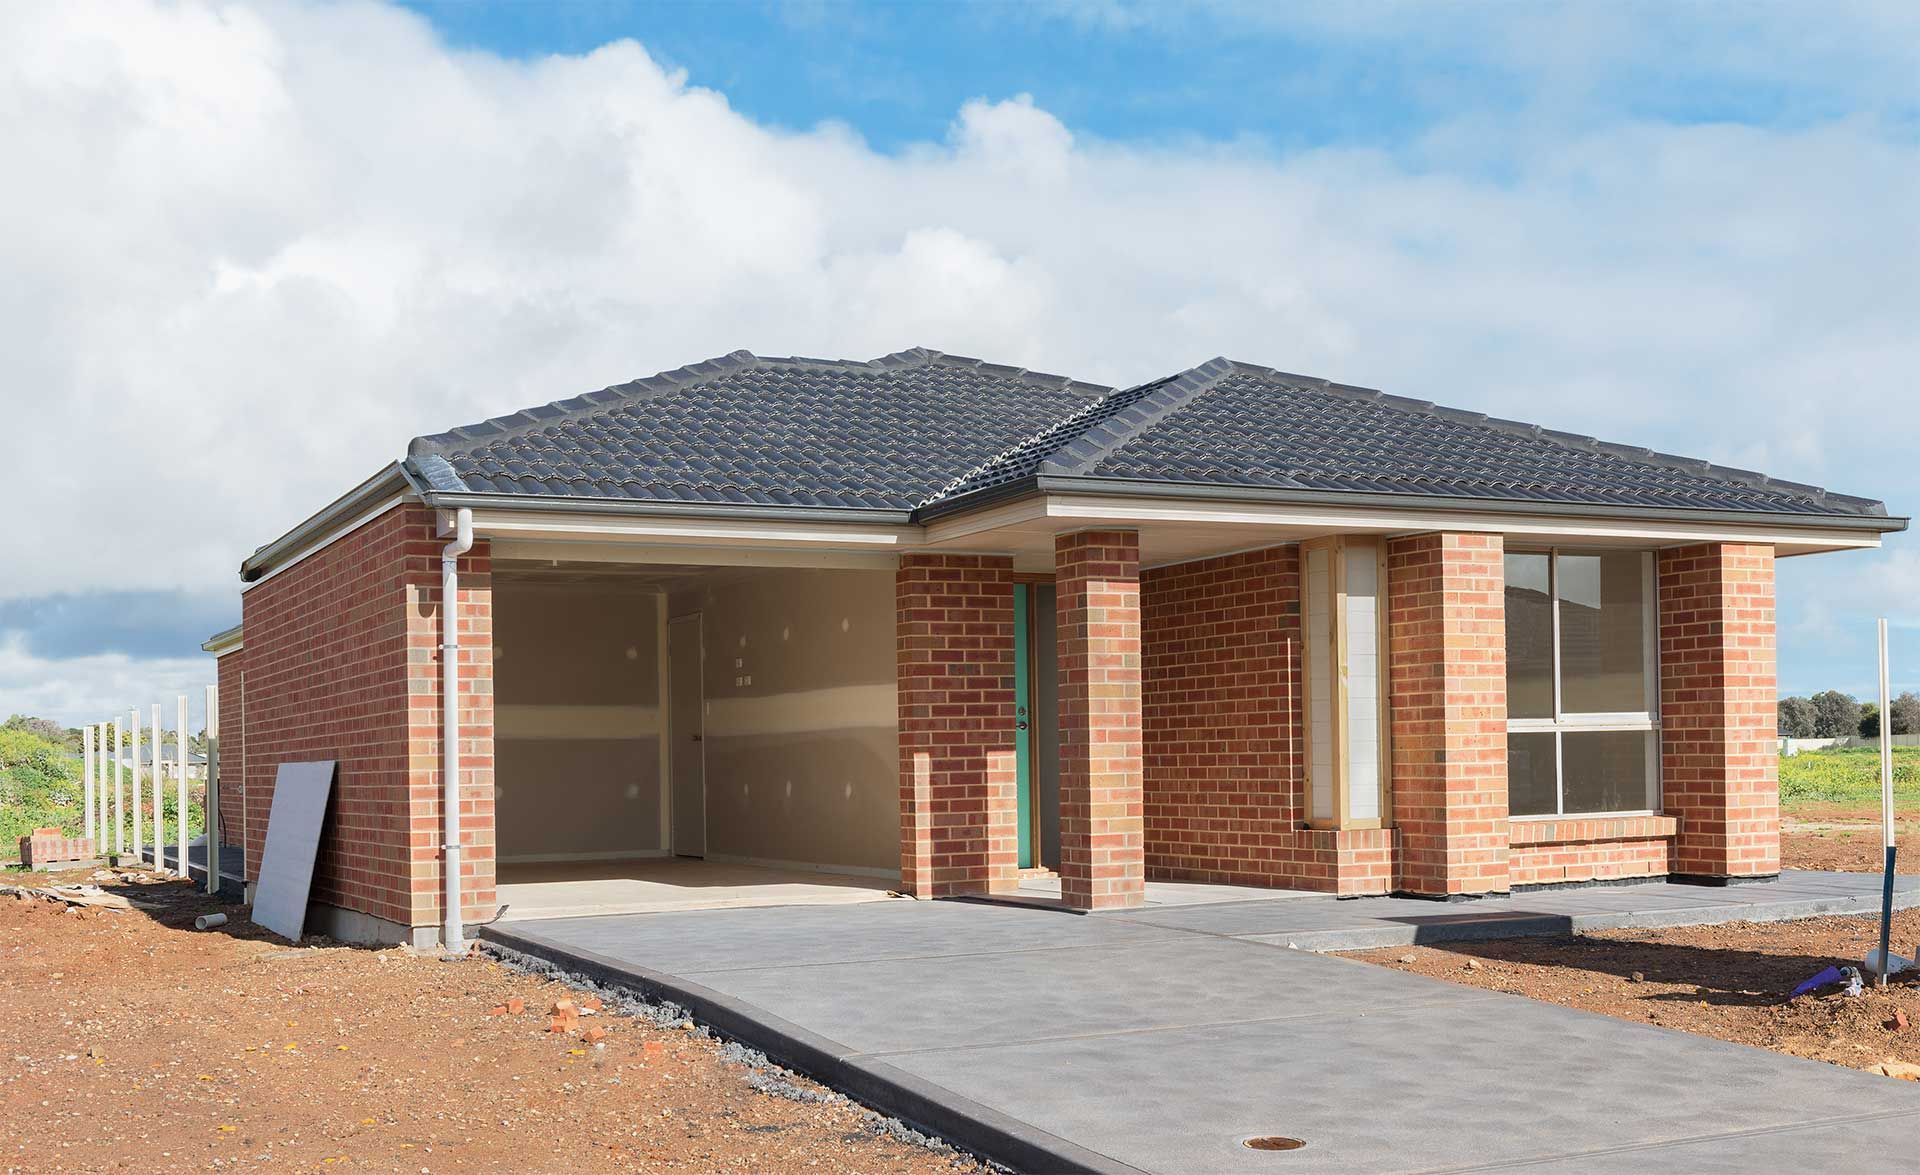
[
  {"x": 920, "y": 429},
  {"x": 1232, "y": 424},
  {"x": 746, "y": 430}
]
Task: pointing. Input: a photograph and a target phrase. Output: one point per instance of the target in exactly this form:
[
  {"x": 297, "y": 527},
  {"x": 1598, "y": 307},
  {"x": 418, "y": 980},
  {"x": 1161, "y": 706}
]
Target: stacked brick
[{"x": 45, "y": 847}]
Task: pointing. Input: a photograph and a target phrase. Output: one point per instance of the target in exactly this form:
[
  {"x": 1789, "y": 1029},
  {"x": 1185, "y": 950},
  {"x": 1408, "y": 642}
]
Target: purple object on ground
[{"x": 1830, "y": 975}]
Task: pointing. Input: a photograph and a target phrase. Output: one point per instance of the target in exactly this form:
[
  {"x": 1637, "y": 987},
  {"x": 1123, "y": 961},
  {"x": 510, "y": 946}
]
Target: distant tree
[
  {"x": 45, "y": 728},
  {"x": 1869, "y": 721},
  {"x": 1796, "y": 718},
  {"x": 1835, "y": 715},
  {"x": 1906, "y": 713}
]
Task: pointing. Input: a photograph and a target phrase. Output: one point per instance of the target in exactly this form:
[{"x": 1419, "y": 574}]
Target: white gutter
[{"x": 452, "y": 935}]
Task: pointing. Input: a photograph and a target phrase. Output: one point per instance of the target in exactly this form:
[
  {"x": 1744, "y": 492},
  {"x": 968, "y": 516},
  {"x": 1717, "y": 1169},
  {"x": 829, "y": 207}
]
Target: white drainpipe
[{"x": 452, "y": 935}]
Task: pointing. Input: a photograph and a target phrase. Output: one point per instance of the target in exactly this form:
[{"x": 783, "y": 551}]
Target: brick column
[
  {"x": 1102, "y": 844},
  {"x": 1719, "y": 760},
  {"x": 958, "y": 788},
  {"x": 1446, "y": 625}
]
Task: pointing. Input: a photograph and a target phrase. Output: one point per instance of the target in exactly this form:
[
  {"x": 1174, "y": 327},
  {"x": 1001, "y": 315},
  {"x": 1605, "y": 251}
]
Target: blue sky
[{"x": 1685, "y": 226}]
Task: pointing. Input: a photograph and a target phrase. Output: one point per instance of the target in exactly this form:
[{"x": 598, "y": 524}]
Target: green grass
[
  {"x": 1848, "y": 777},
  {"x": 41, "y": 786}
]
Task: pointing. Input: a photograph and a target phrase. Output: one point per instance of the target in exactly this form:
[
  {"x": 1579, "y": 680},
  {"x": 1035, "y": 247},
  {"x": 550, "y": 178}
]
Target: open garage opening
[{"x": 680, "y": 735}]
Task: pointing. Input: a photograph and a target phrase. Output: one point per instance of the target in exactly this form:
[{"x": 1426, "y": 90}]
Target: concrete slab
[
  {"x": 650, "y": 885},
  {"x": 1128, "y": 1044},
  {"x": 1169, "y": 894}
]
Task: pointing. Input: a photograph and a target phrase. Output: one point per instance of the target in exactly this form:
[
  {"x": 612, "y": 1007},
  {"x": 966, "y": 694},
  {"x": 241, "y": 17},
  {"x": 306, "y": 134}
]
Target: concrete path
[{"x": 1158, "y": 1040}]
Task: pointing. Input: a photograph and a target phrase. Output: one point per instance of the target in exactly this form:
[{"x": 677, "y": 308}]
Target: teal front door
[{"x": 1023, "y": 719}]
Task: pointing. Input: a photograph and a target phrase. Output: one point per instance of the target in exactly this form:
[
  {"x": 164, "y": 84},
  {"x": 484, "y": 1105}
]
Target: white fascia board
[
  {"x": 329, "y": 537},
  {"x": 1108, "y": 511}
]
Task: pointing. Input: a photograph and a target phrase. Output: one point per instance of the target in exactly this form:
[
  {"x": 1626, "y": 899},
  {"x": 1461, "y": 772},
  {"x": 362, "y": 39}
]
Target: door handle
[{"x": 694, "y": 737}]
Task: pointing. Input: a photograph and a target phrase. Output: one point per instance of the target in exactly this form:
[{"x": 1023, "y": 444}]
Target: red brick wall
[
  {"x": 230, "y": 669},
  {"x": 1546, "y": 852},
  {"x": 958, "y": 788},
  {"x": 1717, "y": 708},
  {"x": 1446, "y": 627},
  {"x": 1097, "y": 610},
  {"x": 342, "y": 663},
  {"x": 1220, "y": 717}
]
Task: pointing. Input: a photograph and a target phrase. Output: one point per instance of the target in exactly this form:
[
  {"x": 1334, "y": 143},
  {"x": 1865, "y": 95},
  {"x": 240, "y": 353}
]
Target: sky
[{"x": 253, "y": 249}]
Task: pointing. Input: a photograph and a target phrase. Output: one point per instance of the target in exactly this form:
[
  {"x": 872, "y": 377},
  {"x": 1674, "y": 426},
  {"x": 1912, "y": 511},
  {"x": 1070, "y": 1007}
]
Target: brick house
[{"x": 935, "y": 620}]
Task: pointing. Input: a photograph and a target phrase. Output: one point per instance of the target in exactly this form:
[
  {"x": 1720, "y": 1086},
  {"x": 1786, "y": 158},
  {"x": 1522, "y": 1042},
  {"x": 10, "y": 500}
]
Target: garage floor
[{"x": 652, "y": 885}]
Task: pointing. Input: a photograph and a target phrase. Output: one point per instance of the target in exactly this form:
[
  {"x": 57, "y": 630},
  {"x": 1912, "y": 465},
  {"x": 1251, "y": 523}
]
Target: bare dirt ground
[
  {"x": 1726, "y": 981},
  {"x": 135, "y": 1043},
  {"x": 1845, "y": 839}
]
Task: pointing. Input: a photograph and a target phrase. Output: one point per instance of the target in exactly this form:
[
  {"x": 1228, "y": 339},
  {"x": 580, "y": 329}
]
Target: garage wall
[
  {"x": 577, "y": 720},
  {"x": 801, "y": 739}
]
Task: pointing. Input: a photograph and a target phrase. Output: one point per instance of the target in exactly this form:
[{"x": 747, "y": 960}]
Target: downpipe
[{"x": 452, "y": 933}]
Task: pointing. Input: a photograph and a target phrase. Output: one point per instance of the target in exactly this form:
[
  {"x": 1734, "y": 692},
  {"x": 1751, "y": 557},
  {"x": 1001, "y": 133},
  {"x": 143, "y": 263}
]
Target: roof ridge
[
  {"x": 1579, "y": 442},
  {"x": 544, "y": 416},
  {"x": 1166, "y": 402},
  {"x": 1168, "y": 395}
]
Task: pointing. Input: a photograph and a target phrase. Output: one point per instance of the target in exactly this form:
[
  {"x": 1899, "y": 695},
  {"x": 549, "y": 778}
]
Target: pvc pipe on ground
[
  {"x": 452, "y": 933},
  {"x": 209, "y": 921}
]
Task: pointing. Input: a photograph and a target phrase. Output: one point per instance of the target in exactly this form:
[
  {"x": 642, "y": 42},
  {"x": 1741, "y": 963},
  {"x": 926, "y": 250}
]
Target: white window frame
[{"x": 1563, "y": 723}]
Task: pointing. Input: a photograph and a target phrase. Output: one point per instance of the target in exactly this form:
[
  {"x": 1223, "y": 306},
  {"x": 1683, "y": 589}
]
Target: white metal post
[
  {"x": 86, "y": 747},
  {"x": 133, "y": 728},
  {"x": 180, "y": 800},
  {"x": 159, "y": 798},
  {"x": 100, "y": 793},
  {"x": 1886, "y": 805},
  {"x": 213, "y": 790},
  {"x": 119, "y": 805}
]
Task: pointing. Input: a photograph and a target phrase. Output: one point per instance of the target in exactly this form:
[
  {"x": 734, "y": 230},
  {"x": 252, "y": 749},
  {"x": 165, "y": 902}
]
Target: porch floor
[{"x": 651, "y": 885}]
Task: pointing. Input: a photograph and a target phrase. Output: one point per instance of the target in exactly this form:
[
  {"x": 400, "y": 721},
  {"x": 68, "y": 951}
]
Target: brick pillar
[
  {"x": 958, "y": 788},
  {"x": 1102, "y": 844},
  {"x": 1446, "y": 625},
  {"x": 1719, "y": 760}
]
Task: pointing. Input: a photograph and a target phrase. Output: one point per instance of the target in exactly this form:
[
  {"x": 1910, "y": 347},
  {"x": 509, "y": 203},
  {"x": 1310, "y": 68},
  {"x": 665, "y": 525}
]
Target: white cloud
[
  {"x": 251, "y": 251},
  {"x": 83, "y": 690}
]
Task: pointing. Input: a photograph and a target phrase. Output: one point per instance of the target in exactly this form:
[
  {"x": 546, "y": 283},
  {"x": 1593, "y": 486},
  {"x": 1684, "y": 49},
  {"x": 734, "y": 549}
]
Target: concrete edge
[
  {"x": 1377, "y": 937},
  {"x": 928, "y": 1107}
]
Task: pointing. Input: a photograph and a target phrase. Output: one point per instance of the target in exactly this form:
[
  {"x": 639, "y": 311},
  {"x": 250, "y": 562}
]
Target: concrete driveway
[{"x": 1160, "y": 1041}]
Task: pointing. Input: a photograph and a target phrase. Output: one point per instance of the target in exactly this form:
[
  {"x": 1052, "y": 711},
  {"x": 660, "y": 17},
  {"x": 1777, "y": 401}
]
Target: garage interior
[{"x": 686, "y": 735}]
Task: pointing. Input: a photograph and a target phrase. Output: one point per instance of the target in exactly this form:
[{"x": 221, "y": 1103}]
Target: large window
[{"x": 1582, "y": 693}]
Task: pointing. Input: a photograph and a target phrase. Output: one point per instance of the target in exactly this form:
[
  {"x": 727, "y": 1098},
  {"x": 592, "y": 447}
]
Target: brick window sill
[{"x": 1578, "y": 830}]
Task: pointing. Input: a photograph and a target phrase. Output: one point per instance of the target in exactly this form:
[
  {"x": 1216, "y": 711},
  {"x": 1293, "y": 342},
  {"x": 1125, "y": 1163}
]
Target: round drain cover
[{"x": 1273, "y": 1142}]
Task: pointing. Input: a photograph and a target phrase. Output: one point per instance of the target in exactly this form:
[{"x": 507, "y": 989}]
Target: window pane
[
  {"x": 1529, "y": 638},
  {"x": 1530, "y": 770},
  {"x": 1607, "y": 770},
  {"x": 1603, "y": 633},
  {"x": 1361, "y": 568}
]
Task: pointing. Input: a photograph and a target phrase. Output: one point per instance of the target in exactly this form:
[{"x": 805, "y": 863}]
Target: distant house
[{"x": 954, "y": 623}]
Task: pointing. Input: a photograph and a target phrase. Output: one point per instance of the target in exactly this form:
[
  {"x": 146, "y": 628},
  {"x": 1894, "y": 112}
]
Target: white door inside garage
[{"x": 686, "y": 749}]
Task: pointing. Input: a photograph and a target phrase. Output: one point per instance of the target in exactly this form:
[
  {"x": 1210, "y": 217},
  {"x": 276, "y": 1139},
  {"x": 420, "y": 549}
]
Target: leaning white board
[{"x": 300, "y": 793}]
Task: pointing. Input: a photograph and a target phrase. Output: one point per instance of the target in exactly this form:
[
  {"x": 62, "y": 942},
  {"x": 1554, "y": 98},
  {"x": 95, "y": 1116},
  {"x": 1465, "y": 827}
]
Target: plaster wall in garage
[
  {"x": 577, "y": 718},
  {"x": 802, "y": 720}
]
